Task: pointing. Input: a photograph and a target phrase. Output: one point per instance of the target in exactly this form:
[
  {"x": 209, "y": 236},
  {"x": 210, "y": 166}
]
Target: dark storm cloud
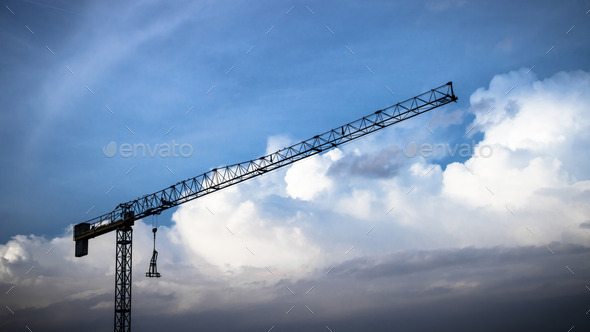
[
  {"x": 383, "y": 164},
  {"x": 409, "y": 262},
  {"x": 585, "y": 224},
  {"x": 470, "y": 289}
]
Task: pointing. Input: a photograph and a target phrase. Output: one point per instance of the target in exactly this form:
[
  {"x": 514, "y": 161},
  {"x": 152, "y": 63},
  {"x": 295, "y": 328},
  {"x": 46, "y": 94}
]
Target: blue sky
[
  {"x": 298, "y": 80},
  {"x": 234, "y": 80}
]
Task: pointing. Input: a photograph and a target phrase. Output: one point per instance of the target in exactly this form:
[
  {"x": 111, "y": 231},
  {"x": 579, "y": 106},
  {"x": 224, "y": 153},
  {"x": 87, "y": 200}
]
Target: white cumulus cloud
[{"x": 228, "y": 230}]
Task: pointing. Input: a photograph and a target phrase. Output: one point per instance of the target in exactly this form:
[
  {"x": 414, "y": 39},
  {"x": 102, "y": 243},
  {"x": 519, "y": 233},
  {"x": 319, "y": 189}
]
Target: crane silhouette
[{"x": 123, "y": 217}]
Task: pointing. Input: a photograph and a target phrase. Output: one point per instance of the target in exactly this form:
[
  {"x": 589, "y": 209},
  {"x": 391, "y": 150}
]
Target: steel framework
[
  {"x": 123, "y": 279},
  {"x": 123, "y": 216}
]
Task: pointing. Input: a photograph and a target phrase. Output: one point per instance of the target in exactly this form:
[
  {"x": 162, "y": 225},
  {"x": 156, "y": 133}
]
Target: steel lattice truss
[
  {"x": 123, "y": 280},
  {"x": 219, "y": 178}
]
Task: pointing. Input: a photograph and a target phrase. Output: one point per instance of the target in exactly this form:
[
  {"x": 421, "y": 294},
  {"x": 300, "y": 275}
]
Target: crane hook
[{"x": 153, "y": 270}]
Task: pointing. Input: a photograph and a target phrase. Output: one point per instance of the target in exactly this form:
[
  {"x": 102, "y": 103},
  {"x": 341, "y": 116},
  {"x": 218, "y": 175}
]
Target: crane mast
[{"x": 122, "y": 218}]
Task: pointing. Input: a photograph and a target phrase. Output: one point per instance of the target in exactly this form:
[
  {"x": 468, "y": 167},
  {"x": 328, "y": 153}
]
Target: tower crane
[{"x": 122, "y": 218}]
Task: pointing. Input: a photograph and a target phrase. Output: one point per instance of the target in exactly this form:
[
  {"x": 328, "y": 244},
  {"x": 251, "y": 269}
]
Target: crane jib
[{"x": 219, "y": 178}]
